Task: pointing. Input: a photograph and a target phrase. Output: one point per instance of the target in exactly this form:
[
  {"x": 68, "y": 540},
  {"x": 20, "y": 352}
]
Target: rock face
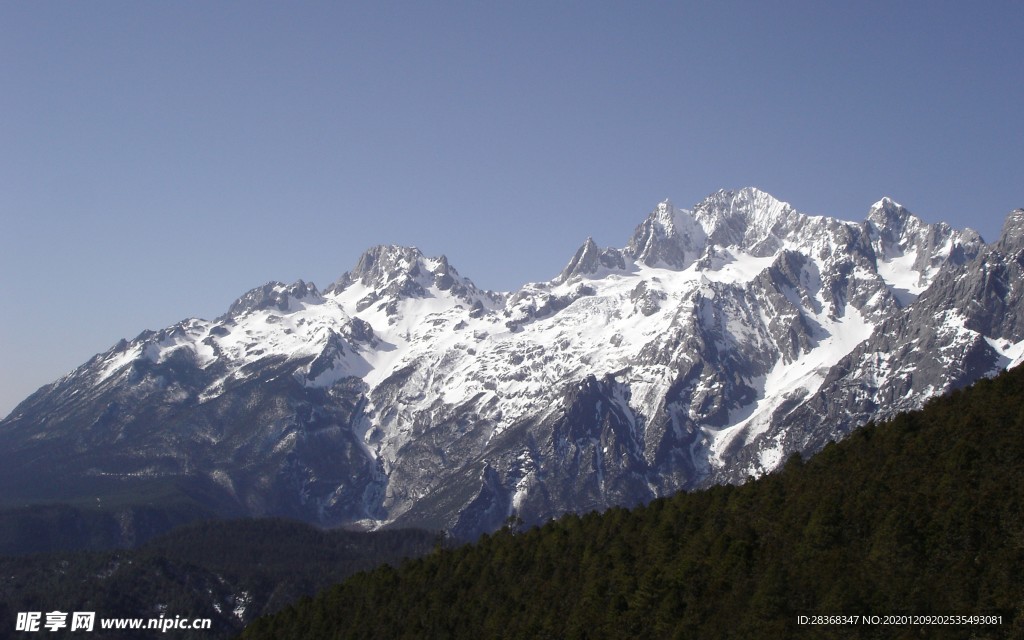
[{"x": 714, "y": 344}]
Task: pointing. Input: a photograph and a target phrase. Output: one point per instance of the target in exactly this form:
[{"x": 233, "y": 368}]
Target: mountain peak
[
  {"x": 589, "y": 259},
  {"x": 1012, "y": 236},
  {"x": 392, "y": 272},
  {"x": 274, "y": 294},
  {"x": 667, "y": 238},
  {"x": 887, "y": 203},
  {"x": 889, "y": 215},
  {"x": 382, "y": 263},
  {"x": 749, "y": 203},
  {"x": 747, "y": 218}
]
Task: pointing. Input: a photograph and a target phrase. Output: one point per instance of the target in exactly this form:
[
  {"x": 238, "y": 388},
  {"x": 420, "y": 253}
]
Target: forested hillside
[
  {"x": 923, "y": 515},
  {"x": 227, "y": 571}
]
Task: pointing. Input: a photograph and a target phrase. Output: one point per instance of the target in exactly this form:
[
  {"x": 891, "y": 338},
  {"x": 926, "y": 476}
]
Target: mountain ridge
[{"x": 402, "y": 394}]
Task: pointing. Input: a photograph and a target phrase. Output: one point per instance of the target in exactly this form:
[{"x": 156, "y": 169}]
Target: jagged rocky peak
[
  {"x": 590, "y": 260},
  {"x": 275, "y": 295},
  {"x": 895, "y": 229},
  {"x": 665, "y": 211},
  {"x": 446, "y": 278},
  {"x": 891, "y": 217},
  {"x": 445, "y": 275},
  {"x": 892, "y": 229},
  {"x": 669, "y": 237},
  {"x": 897, "y": 233},
  {"x": 391, "y": 273},
  {"x": 749, "y": 219},
  {"x": 1012, "y": 237},
  {"x": 381, "y": 265}
]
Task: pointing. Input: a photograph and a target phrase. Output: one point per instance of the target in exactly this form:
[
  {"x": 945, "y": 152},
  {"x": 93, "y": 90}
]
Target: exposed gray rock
[{"x": 715, "y": 344}]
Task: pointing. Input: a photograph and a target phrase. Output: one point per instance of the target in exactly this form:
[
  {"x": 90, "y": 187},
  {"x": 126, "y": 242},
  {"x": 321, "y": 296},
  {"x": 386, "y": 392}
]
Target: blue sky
[{"x": 157, "y": 160}]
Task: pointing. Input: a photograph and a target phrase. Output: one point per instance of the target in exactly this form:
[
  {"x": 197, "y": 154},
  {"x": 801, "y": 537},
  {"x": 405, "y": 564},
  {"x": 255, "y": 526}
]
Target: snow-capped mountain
[{"x": 714, "y": 344}]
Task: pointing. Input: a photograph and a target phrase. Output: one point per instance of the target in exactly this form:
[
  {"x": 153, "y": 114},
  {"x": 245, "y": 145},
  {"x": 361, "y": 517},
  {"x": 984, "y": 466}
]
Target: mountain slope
[
  {"x": 229, "y": 572},
  {"x": 918, "y": 517},
  {"x": 712, "y": 345}
]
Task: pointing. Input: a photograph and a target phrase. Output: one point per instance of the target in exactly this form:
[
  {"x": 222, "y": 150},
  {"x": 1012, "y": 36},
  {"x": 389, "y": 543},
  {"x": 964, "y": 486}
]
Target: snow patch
[
  {"x": 905, "y": 282},
  {"x": 1011, "y": 354},
  {"x": 786, "y": 380},
  {"x": 117, "y": 361}
]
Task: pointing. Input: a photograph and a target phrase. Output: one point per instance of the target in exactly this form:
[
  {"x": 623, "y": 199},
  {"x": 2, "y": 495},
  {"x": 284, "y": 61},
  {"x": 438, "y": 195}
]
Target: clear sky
[{"x": 159, "y": 159}]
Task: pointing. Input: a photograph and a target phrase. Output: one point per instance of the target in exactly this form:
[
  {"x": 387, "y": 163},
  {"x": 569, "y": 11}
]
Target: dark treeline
[
  {"x": 46, "y": 528},
  {"x": 100, "y": 513},
  {"x": 227, "y": 570},
  {"x": 921, "y": 515}
]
